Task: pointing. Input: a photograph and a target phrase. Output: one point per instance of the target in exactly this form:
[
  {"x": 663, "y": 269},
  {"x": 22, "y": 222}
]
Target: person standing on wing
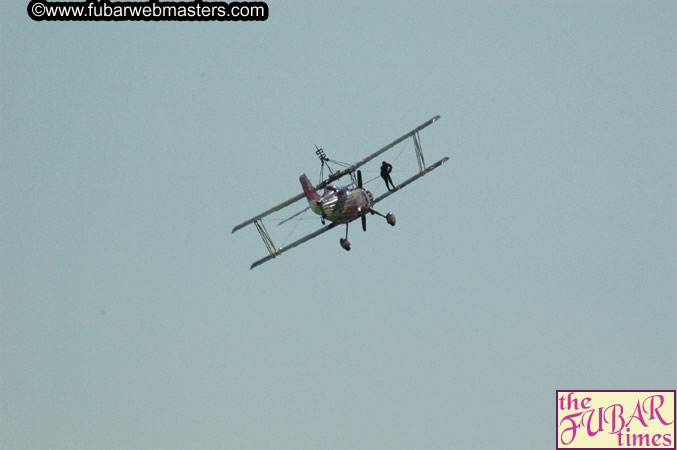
[{"x": 385, "y": 174}]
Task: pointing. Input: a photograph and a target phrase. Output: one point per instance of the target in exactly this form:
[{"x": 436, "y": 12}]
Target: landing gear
[
  {"x": 390, "y": 217},
  {"x": 345, "y": 243}
]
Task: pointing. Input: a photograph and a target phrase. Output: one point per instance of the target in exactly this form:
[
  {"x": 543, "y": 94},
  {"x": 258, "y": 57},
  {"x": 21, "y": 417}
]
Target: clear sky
[{"x": 540, "y": 257}]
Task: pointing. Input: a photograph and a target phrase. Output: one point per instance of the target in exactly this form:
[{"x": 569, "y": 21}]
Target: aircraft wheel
[
  {"x": 390, "y": 218},
  {"x": 345, "y": 243}
]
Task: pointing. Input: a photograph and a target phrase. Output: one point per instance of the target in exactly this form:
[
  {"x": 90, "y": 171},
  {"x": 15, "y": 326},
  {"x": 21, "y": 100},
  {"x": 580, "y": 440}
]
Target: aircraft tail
[{"x": 309, "y": 189}]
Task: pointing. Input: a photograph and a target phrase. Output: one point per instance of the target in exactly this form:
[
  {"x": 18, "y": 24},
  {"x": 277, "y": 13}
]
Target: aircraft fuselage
[{"x": 343, "y": 205}]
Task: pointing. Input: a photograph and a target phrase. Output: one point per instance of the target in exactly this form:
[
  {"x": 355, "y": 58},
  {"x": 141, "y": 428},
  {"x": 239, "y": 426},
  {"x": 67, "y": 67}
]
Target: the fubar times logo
[{"x": 606, "y": 420}]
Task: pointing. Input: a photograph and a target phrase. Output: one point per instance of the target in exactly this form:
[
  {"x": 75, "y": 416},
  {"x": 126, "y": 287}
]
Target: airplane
[{"x": 340, "y": 205}]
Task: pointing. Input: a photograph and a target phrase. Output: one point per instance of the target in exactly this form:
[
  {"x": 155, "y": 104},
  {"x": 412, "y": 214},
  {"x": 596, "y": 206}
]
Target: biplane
[{"x": 340, "y": 205}]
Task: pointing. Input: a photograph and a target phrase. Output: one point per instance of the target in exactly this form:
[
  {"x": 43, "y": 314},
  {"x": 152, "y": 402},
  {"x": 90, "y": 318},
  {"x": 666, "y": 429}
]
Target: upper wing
[{"x": 339, "y": 174}]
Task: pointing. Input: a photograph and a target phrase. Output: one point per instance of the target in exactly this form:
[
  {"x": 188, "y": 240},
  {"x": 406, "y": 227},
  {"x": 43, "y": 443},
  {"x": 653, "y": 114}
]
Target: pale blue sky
[{"x": 541, "y": 257}]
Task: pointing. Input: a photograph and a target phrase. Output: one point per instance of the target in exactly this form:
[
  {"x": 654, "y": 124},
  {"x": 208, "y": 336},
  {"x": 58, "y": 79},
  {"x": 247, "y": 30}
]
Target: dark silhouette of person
[{"x": 385, "y": 174}]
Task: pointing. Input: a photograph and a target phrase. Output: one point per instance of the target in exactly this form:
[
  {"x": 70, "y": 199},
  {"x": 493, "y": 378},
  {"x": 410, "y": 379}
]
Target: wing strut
[
  {"x": 265, "y": 236},
  {"x": 419, "y": 153}
]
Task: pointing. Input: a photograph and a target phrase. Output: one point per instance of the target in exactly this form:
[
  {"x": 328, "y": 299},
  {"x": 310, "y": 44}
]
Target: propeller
[{"x": 359, "y": 185}]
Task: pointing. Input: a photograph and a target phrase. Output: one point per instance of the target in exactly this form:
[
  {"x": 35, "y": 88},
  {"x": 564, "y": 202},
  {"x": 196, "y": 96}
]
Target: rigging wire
[
  {"x": 403, "y": 146},
  {"x": 293, "y": 228}
]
